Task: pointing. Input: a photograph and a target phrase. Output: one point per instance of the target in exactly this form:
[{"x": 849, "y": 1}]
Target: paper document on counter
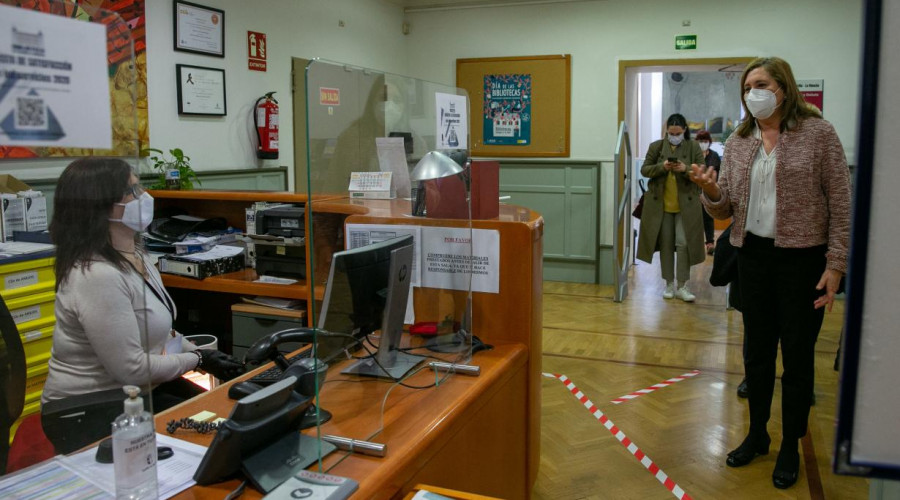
[
  {"x": 173, "y": 474},
  {"x": 80, "y": 476},
  {"x": 216, "y": 252},
  {"x": 392, "y": 158}
]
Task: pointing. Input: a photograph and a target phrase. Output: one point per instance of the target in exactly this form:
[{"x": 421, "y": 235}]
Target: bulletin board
[{"x": 540, "y": 128}]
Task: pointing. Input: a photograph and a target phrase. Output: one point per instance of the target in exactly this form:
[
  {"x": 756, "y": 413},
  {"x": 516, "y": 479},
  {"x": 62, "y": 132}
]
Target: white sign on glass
[
  {"x": 46, "y": 81},
  {"x": 452, "y": 121}
]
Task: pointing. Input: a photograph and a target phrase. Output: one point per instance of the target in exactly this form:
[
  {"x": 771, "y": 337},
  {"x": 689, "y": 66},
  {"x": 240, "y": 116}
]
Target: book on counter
[{"x": 220, "y": 259}]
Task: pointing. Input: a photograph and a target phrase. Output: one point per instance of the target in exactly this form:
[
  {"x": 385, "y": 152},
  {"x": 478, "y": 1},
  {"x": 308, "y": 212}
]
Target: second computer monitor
[{"x": 367, "y": 290}]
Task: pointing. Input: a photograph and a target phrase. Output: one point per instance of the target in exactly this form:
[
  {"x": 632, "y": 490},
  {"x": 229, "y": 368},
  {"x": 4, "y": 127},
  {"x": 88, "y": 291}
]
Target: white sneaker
[
  {"x": 670, "y": 290},
  {"x": 684, "y": 294}
]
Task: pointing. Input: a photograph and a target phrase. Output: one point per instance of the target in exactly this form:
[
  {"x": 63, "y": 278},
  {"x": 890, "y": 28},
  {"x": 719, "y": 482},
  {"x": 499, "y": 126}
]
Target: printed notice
[
  {"x": 448, "y": 255},
  {"x": 53, "y": 92},
  {"x": 453, "y": 121}
]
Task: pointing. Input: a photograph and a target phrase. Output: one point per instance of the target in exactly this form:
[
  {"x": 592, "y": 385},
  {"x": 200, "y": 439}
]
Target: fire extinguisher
[{"x": 266, "y": 121}]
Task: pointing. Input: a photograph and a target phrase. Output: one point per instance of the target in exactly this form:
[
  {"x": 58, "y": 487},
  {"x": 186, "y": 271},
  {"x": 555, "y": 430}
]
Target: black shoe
[
  {"x": 787, "y": 467},
  {"x": 748, "y": 450},
  {"x": 743, "y": 391}
]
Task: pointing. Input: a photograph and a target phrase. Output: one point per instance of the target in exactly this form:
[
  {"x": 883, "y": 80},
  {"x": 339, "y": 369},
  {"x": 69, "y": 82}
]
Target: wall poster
[
  {"x": 813, "y": 92},
  {"x": 507, "y": 110},
  {"x": 124, "y": 77}
]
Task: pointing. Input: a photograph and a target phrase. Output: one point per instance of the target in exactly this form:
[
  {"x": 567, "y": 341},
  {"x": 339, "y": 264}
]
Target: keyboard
[{"x": 273, "y": 374}]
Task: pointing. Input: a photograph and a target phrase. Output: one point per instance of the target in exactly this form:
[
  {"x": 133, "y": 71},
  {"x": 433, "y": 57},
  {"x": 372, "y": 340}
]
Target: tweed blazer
[{"x": 812, "y": 190}]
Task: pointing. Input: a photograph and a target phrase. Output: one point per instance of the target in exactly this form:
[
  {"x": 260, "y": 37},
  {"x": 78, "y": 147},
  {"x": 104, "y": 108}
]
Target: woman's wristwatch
[{"x": 199, "y": 359}]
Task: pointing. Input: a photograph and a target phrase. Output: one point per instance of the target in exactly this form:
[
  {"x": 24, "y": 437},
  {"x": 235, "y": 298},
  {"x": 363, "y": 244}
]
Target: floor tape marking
[
  {"x": 622, "y": 438},
  {"x": 655, "y": 387}
]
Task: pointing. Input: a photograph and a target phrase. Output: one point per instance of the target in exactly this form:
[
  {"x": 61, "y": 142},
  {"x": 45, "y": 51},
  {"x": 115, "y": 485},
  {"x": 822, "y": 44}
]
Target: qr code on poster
[{"x": 31, "y": 113}]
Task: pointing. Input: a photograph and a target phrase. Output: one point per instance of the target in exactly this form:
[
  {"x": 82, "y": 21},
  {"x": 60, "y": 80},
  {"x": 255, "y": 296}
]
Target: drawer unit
[
  {"x": 26, "y": 278},
  {"x": 37, "y": 344},
  {"x": 32, "y": 311},
  {"x": 251, "y": 322}
]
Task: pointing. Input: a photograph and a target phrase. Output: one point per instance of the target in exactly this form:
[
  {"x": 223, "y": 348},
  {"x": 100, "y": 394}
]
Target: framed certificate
[
  {"x": 201, "y": 91},
  {"x": 199, "y": 29}
]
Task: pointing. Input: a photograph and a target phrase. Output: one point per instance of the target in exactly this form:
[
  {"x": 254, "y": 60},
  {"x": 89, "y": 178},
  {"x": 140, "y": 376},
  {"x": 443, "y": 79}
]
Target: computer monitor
[
  {"x": 260, "y": 437},
  {"x": 367, "y": 290}
]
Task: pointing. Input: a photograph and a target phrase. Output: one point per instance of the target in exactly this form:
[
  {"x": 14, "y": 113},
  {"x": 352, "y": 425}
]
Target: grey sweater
[{"x": 101, "y": 316}]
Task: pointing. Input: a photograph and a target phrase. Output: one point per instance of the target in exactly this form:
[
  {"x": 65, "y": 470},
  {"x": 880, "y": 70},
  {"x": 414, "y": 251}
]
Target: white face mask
[
  {"x": 704, "y": 146},
  {"x": 138, "y": 213},
  {"x": 760, "y": 103},
  {"x": 676, "y": 139}
]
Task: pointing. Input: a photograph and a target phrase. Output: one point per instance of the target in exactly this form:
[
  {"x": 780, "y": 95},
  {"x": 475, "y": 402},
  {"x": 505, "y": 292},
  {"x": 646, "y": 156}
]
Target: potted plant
[{"x": 167, "y": 168}]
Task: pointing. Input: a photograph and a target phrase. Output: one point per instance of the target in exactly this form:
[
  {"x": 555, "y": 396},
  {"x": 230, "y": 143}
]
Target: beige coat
[{"x": 687, "y": 152}]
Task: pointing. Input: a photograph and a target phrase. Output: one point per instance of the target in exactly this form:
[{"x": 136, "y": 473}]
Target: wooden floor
[{"x": 686, "y": 429}]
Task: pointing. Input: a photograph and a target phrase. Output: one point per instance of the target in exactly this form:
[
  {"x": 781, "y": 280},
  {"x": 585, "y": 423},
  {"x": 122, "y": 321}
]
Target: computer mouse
[{"x": 241, "y": 389}]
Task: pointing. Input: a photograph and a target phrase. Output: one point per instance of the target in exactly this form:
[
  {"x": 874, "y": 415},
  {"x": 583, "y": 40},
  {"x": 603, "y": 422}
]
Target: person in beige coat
[{"x": 672, "y": 218}]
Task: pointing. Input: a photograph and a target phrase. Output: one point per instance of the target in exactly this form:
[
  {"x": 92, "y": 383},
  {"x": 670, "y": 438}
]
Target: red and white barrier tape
[
  {"x": 622, "y": 438},
  {"x": 654, "y": 387}
]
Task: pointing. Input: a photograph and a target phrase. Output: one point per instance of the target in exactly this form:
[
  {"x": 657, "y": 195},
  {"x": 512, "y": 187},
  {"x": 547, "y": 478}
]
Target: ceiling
[{"x": 423, "y": 5}]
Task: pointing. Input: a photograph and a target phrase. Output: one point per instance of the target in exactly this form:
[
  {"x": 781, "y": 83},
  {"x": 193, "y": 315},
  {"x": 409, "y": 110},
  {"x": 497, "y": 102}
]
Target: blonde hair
[{"x": 793, "y": 108}]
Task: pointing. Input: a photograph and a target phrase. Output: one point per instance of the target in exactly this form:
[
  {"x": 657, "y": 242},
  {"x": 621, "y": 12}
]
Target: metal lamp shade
[{"x": 434, "y": 165}]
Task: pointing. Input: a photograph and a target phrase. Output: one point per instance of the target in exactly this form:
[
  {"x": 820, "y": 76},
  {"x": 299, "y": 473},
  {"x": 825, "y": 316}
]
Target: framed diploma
[
  {"x": 201, "y": 91},
  {"x": 199, "y": 29}
]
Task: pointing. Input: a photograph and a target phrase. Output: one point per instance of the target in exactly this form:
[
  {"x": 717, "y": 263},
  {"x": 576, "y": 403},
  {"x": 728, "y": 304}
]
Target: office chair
[{"x": 12, "y": 379}]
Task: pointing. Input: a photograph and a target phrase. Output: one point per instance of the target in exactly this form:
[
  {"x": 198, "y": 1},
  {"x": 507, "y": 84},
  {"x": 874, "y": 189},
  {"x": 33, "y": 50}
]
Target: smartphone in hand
[{"x": 672, "y": 159}]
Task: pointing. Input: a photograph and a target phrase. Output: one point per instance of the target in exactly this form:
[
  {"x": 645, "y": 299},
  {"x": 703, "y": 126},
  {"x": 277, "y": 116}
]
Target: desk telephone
[{"x": 310, "y": 372}]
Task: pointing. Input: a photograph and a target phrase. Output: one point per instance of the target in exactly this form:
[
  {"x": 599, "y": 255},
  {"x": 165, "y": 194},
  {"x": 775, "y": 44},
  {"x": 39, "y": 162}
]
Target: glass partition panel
[
  {"x": 87, "y": 314},
  {"x": 390, "y": 238}
]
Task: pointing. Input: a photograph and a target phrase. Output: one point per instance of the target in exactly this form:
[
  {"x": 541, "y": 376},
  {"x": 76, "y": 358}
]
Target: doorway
[{"x": 706, "y": 91}]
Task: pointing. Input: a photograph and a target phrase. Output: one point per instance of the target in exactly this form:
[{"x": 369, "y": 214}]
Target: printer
[
  {"x": 284, "y": 220},
  {"x": 283, "y": 252}
]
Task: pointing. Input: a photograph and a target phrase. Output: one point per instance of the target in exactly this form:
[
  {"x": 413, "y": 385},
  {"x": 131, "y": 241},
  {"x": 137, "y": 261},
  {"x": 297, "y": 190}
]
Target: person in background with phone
[
  {"x": 786, "y": 184},
  {"x": 672, "y": 220},
  {"x": 712, "y": 159},
  {"x": 112, "y": 309}
]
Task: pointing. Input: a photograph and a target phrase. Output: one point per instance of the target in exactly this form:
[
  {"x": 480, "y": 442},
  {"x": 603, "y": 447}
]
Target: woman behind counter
[
  {"x": 672, "y": 220},
  {"x": 786, "y": 183},
  {"x": 109, "y": 297}
]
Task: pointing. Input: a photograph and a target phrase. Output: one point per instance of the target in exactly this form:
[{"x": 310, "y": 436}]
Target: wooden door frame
[{"x": 625, "y": 65}]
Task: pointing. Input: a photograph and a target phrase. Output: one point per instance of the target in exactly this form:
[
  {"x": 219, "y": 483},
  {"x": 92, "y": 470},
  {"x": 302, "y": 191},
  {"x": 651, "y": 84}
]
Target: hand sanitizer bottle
[{"x": 134, "y": 449}]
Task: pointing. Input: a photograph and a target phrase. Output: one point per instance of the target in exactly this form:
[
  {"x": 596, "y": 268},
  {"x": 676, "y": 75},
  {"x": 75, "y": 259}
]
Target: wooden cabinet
[{"x": 512, "y": 316}]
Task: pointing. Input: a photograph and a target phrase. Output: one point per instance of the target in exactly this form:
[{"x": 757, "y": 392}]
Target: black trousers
[
  {"x": 778, "y": 288},
  {"x": 709, "y": 227}
]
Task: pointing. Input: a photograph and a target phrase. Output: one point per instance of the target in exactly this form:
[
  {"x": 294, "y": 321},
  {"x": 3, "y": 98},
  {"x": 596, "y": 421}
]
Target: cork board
[{"x": 537, "y": 128}]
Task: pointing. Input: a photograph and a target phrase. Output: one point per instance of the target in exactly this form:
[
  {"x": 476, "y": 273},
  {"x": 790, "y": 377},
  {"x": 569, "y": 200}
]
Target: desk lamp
[{"x": 434, "y": 165}]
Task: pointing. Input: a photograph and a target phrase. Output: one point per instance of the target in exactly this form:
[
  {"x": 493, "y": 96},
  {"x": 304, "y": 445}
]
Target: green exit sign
[{"x": 685, "y": 42}]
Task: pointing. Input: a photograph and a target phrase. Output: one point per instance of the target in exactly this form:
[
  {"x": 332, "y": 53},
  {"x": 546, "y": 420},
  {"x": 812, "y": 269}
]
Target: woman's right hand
[{"x": 705, "y": 177}]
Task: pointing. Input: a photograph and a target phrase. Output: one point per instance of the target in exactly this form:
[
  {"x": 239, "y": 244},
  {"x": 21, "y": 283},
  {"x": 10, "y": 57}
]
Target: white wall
[
  {"x": 371, "y": 37},
  {"x": 819, "y": 38},
  {"x": 598, "y": 34}
]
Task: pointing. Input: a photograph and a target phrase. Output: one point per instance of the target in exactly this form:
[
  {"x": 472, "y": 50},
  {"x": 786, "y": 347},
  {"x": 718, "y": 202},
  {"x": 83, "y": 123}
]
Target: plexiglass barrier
[
  {"x": 87, "y": 315},
  {"x": 390, "y": 237}
]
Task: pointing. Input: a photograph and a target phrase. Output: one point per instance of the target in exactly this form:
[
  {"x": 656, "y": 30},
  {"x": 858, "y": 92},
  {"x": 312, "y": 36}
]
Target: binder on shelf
[{"x": 202, "y": 266}]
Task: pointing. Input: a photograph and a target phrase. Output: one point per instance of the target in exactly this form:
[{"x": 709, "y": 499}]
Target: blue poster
[{"x": 507, "y": 110}]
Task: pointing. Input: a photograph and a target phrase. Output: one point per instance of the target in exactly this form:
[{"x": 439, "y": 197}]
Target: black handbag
[{"x": 639, "y": 209}]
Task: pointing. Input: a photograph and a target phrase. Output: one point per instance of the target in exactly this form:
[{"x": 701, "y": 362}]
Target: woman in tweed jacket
[{"x": 785, "y": 181}]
